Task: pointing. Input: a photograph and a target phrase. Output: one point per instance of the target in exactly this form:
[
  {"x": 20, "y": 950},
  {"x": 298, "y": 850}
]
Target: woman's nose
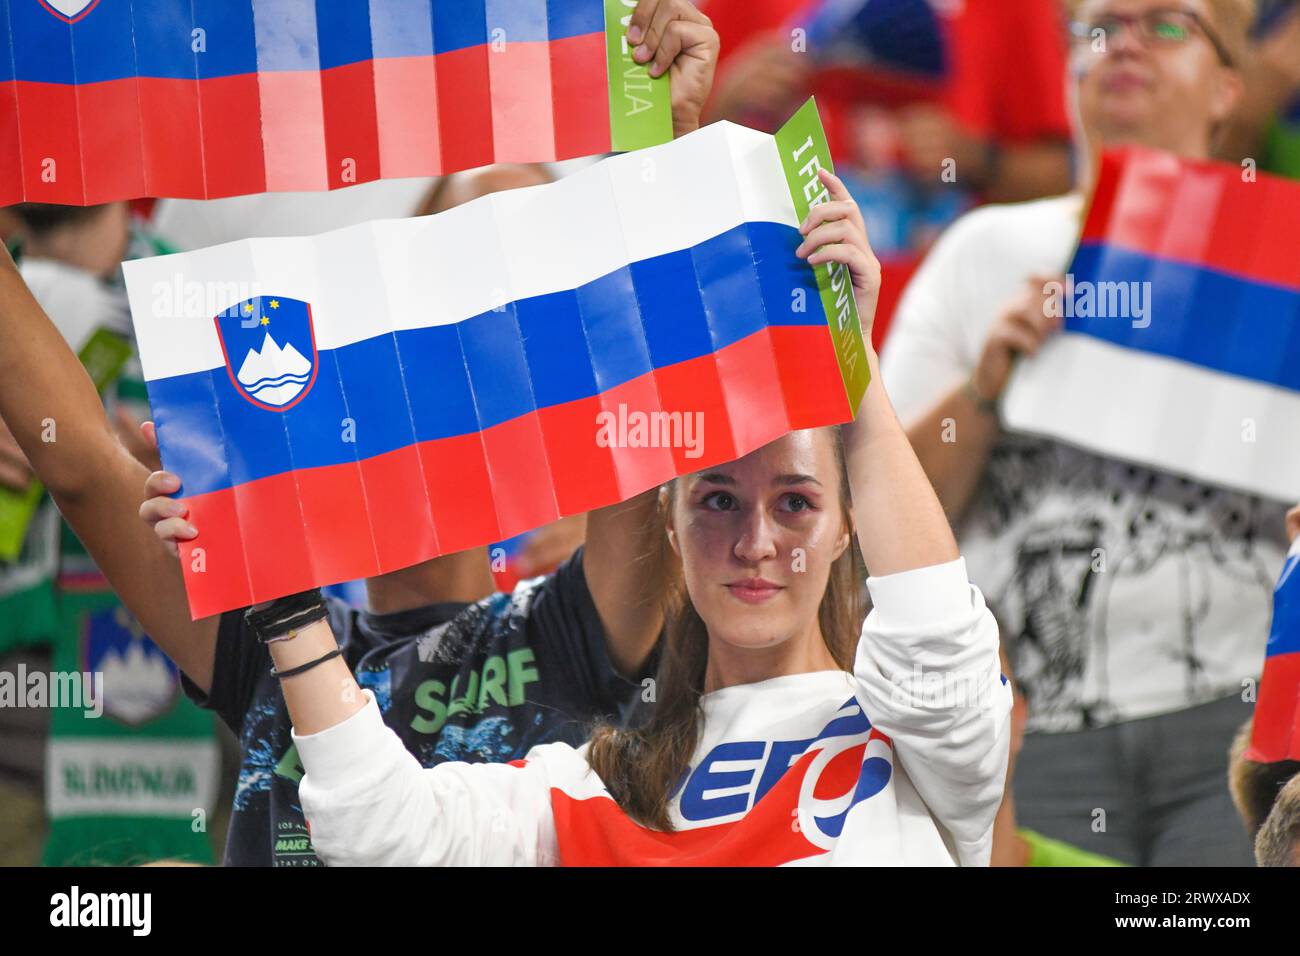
[{"x": 757, "y": 539}]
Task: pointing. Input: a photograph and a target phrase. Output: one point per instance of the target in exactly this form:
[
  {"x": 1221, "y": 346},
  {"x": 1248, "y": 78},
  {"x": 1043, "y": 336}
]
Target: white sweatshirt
[{"x": 901, "y": 762}]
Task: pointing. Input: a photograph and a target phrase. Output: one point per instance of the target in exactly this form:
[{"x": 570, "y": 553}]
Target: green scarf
[{"x": 138, "y": 781}]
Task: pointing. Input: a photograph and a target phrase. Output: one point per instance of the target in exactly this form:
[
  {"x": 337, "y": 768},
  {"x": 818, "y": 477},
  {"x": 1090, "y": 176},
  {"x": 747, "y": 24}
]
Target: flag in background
[
  {"x": 138, "y": 780},
  {"x": 1276, "y": 733},
  {"x": 1181, "y": 347},
  {"x": 373, "y": 397},
  {"x": 117, "y": 99}
]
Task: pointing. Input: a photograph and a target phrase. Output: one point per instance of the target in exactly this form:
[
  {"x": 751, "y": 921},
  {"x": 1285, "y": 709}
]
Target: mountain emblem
[
  {"x": 139, "y": 683},
  {"x": 269, "y": 345}
]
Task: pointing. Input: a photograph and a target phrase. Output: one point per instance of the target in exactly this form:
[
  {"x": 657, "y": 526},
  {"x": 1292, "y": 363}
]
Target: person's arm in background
[
  {"x": 1028, "y": 171},
  {"x": 56, "y": 417},
  {"x": 761, "y": 81},
  {"x": 931, "y": 139},
  {"x": 1272, "y": 77},
  {"x": 943, "y": 380},
  {"x": 15, "y": 472},
  {"x": 462, "y": 577},
  {"x": 952, "y": 440},
  {"x": 1003, "y": 121}
]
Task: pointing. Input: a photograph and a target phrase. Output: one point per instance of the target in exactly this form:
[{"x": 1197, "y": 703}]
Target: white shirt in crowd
[
  {"x": 1123, "y": 592},
  {"x": 77, "y": 302},
  {"x": 902, "y": 761}
]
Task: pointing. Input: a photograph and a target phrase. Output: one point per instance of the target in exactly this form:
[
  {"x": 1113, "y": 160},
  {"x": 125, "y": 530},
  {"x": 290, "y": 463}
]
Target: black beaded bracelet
[
  {"x": 301, "y": 668},
  {"x": 284, "y": 617}
]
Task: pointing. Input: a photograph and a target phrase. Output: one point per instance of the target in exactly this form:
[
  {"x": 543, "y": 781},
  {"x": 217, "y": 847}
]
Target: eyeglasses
[{"x": 1156, "y": 28}]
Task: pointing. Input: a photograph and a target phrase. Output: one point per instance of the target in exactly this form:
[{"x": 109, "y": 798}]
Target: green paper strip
[
  {"x": 640, "y": 108},
  {"x": 103, "y": 357},
  {"x": 804, "y": 150}
]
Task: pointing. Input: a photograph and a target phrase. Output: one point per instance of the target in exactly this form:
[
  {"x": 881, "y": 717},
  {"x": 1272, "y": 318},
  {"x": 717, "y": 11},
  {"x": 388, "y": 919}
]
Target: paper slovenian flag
[
  {"x": 1181, "y": 348},
  {"x": 1276, "y": 734},
  {"x": 114, "y": 99},
  {"x": 373, "y": 397}
]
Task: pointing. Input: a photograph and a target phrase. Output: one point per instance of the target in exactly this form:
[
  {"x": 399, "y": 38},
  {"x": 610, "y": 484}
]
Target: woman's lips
[{"x": 754, "y": 590}]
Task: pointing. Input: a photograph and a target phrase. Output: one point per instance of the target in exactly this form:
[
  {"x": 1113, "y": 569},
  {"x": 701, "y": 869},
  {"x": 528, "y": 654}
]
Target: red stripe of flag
[
  {"x": 406, "y": 111},
  {"x": 351, "y": 124},
  {"x": 111, "y": 140},
  {"x": 580, "y": 94},
  {"x": 293, "y": 131},
  {"x": 11, "y": 157},
  {"x": 465, "y": 117},
  {"x": 523, "y": 113},
  {"x": 1275, "y": 734},
  {"x": 1202, "y": 213},
  {"x": 371, "y": 517},
  {"x": 171, "y": 137},
  {"x": 51, "y": 143},
  {"x": 230, "y": 108}
]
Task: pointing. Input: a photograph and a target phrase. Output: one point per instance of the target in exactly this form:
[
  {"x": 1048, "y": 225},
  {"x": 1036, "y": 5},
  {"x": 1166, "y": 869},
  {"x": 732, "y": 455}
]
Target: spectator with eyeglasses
[{"x": 1132, "y": 669}]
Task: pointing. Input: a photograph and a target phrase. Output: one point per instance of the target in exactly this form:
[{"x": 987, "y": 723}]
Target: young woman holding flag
[{"x": 779, "y": 732}]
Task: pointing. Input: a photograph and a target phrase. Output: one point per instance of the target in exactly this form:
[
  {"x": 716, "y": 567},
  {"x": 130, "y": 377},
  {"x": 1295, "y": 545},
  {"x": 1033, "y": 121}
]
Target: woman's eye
[
  {"x": 719, "y": 501},
  {"x": 798, "y": 503}
]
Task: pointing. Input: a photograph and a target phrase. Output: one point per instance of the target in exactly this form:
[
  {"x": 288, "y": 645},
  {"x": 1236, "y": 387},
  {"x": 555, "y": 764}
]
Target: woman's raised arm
[{"x": 901, "y": 525}]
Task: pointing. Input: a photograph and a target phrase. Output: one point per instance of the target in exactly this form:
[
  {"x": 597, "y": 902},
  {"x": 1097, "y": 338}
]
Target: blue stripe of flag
[
  {"x": 491, "y": 368},
  {"x": 6, "y": 45},
  {"x": 156, "y": 38},
  {"x": 1208, "y": 318},
  {"x": 1284, "y": 637}
]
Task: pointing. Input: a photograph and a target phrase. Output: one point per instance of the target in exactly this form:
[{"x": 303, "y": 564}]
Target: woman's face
[
  {"x": 1166, "y": 95},
  {"x": 757, "y": 537}
]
